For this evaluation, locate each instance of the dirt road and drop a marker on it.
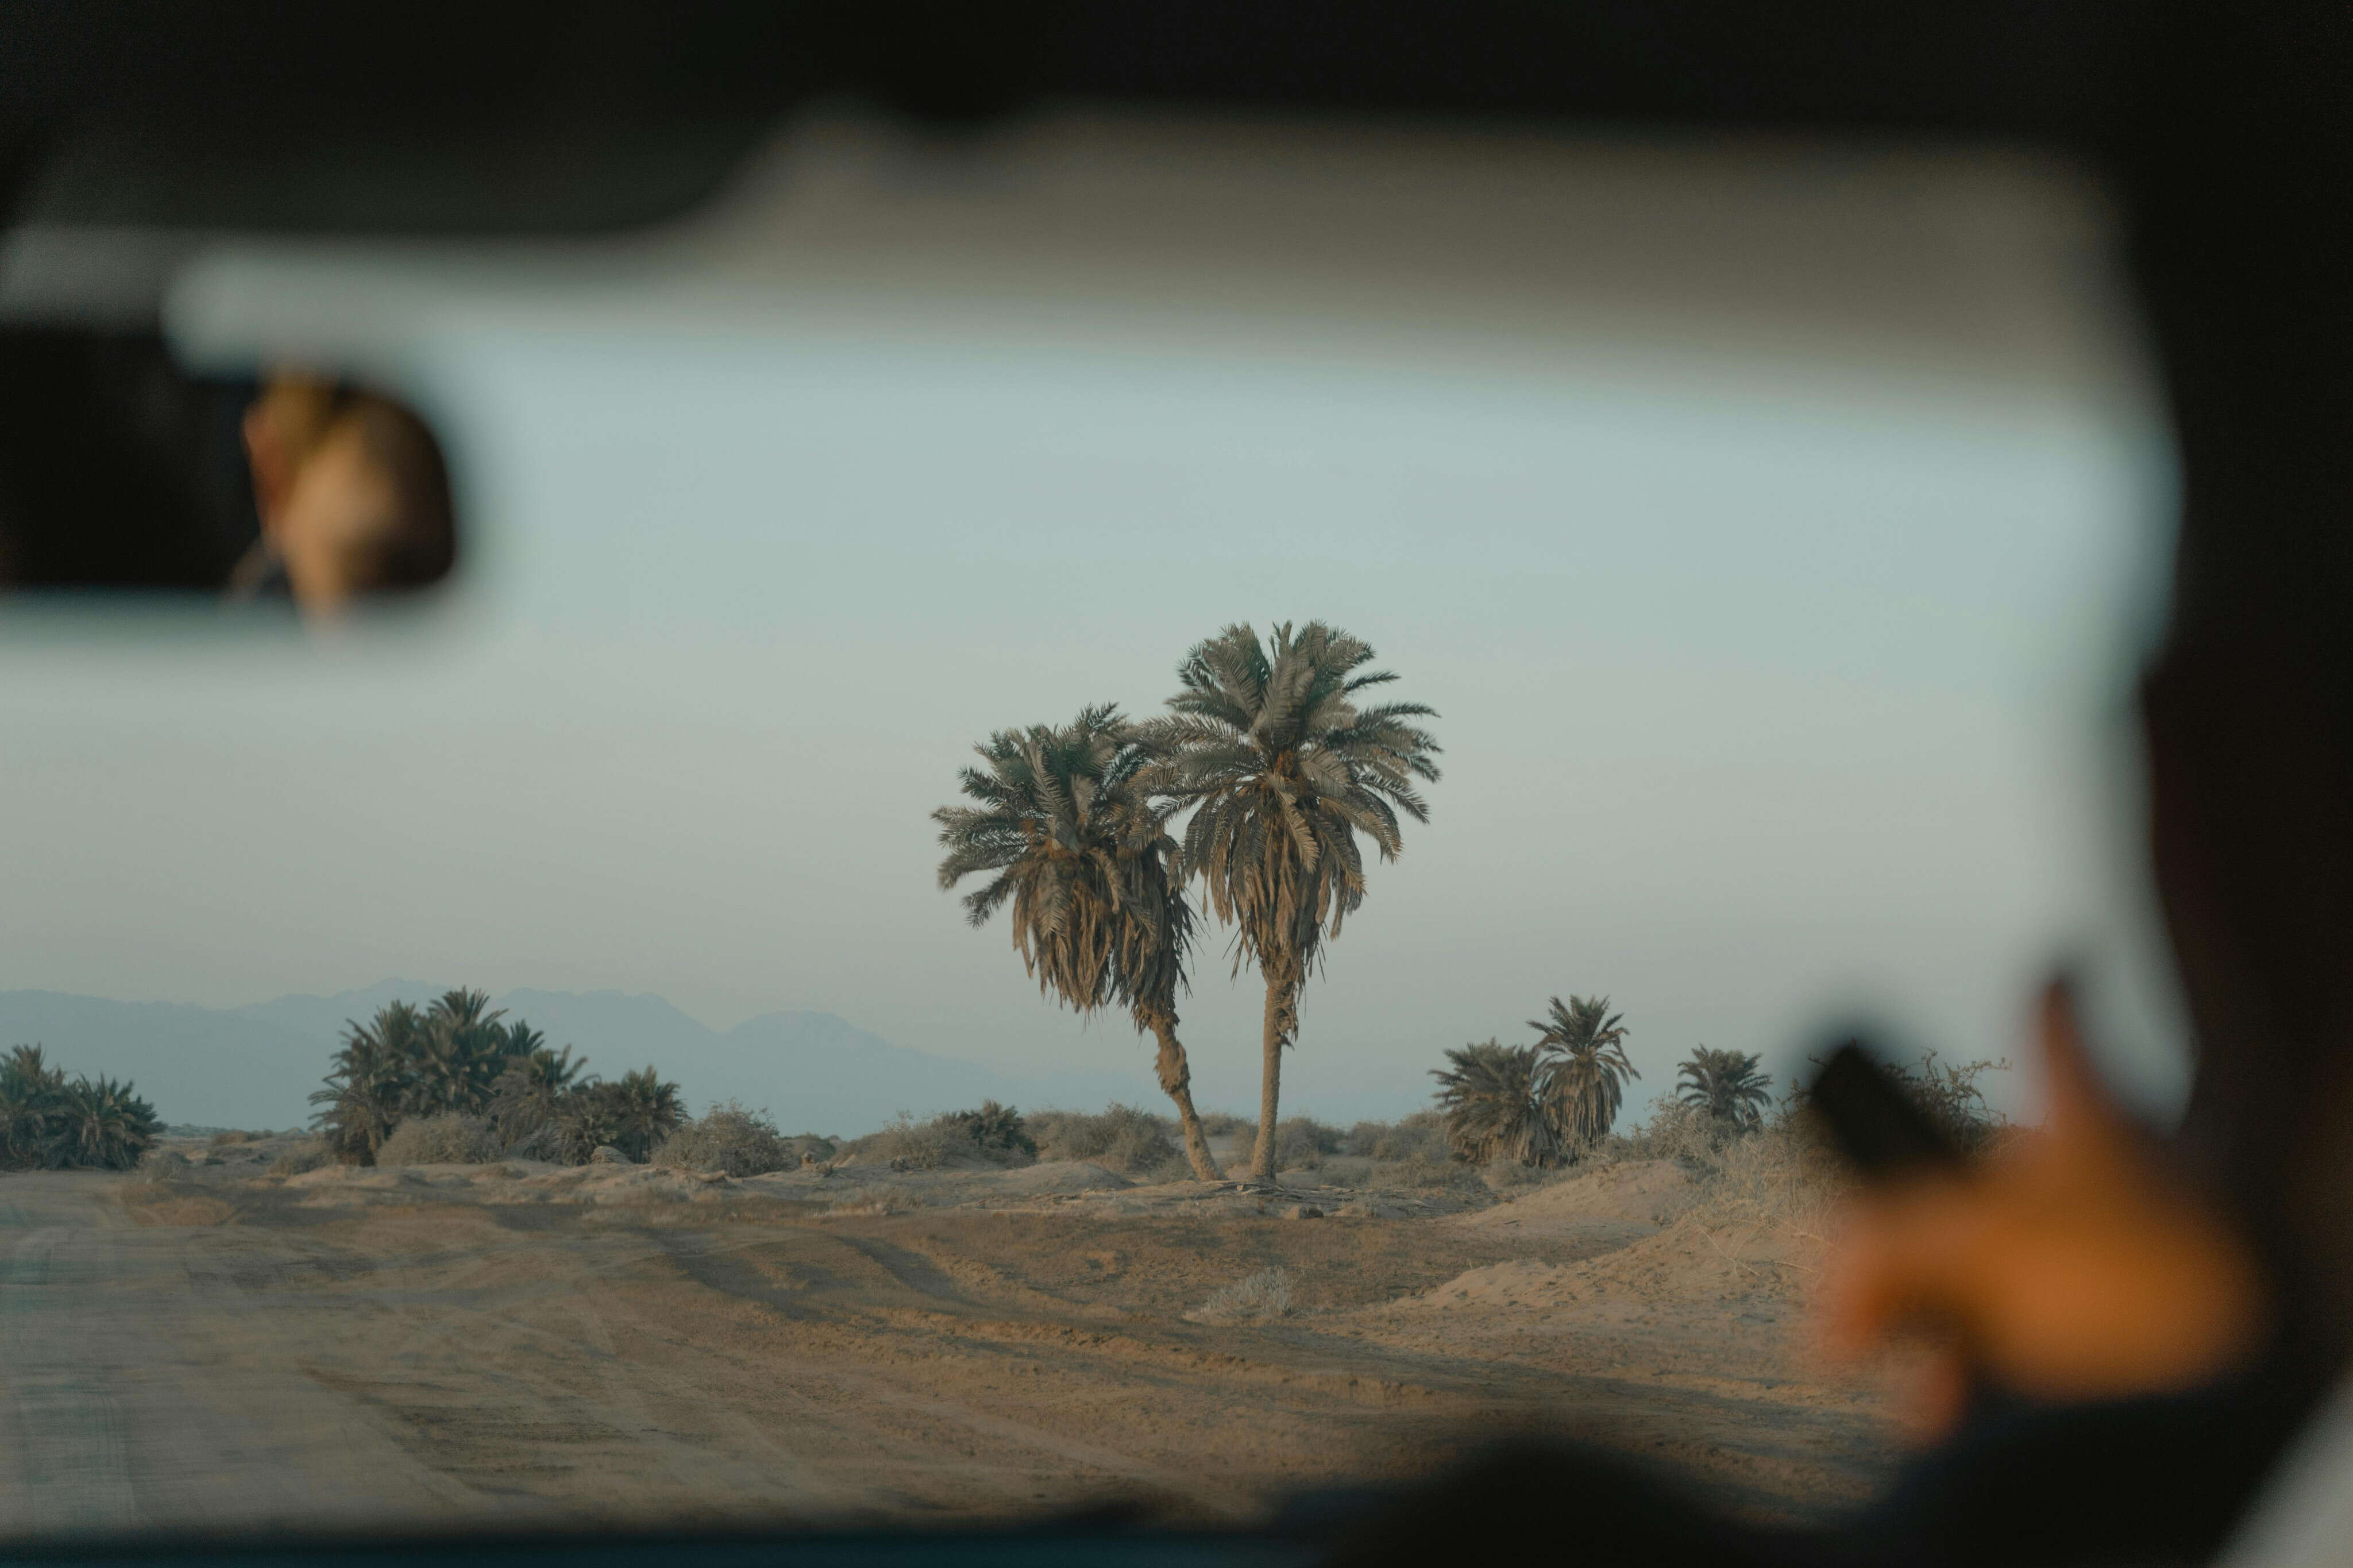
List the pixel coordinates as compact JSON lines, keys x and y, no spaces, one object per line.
{"x":258,"y":1355}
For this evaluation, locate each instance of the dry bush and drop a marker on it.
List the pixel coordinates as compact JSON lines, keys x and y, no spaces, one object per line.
{"x":1948,"y":1092}
{"x":907,"y":1144}
{"x":1265,"y":1294}
{"x":999,"y":1131}
{"x":1674,"y":1131}
{"x":1427,"y":1175}
{"x":1419,"y":1137}
{"x":224,"y":1140}
{"x":451,"y":1138}
{"x":1121,"y":1138}
{"x":992,"y":1135}
{"x":1219,"y":1123}
{"x":729,"y":1140}
{"x":1782,"y":1178}
{"x":1512,"y":1177}
{"x":308,"y":1155}
{"x":1301,"y":1141}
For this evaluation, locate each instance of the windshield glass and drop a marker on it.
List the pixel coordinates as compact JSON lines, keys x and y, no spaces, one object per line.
{"x":868,"y":963}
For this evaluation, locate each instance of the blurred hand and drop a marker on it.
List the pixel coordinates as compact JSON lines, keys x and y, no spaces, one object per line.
{"x":2068,"y":1267}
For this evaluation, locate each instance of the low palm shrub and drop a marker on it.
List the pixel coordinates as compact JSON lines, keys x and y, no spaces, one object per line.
{"x":1498,"y":1106}
{"x":49,"y":1123}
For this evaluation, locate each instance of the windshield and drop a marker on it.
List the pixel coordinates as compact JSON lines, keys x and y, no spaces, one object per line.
{"x":883,"y":956}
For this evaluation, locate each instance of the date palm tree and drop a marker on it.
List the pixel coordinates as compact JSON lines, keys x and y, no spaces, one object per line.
{"x":372,"y":1084}
{"x":1730,"y":1086}
{"x":632,"y":1113}
{"x":529,"y":1095}
{"x":459,"y":1055}
{"x":1583,"y":1043}
{"x":102,"y":1125}
{"x":32,"y":1099}
{"x":1493,"y":1096}
{"x":1084,"y":858}
{"x":1265,"y":745}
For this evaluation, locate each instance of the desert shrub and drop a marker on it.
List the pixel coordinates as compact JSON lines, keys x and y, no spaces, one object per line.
{"x":1951,"y":1095}
{"x":1265,"y":1294}
{"x":730,"y":1139}
{"x":451,"y":1138}
{"x":1121,"y":1138}
{"x":1421,"y":1136}
{"x":907,"y":1144}
{"x":307,"y":1156}
{"x":231,"y":1137}
{"x":1301,"y":1141}
{"x":1674,"y":1131}
{"x":1219,"y":1123}
{"x":1784,"y":1177}
{"x":997,"y":1131}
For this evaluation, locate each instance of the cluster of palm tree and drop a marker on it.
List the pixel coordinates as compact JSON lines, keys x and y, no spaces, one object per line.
{"x":47,"y":1123}
{"x":1269,"y":753}
{"x":460,"y":1055}
{"x":1542,"y":1103}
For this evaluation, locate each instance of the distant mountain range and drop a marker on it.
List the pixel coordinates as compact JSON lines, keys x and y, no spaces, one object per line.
{"x":256,"y":1065}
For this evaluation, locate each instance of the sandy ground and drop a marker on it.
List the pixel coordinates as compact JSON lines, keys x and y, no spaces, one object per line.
{"x":524,"y":1344}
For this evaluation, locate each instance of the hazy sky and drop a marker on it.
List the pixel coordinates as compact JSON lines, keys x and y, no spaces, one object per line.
{"x":1764,"y":696}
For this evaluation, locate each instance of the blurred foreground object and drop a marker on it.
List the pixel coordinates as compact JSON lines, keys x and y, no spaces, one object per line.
{"x":351,"y":493}
{"x":2068,"y":1267}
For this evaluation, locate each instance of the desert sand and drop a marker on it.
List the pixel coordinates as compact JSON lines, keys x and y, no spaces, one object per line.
{"x":227,"y":1346}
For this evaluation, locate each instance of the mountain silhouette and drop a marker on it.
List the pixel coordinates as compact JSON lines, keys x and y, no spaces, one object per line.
{"x":255,"y":1066}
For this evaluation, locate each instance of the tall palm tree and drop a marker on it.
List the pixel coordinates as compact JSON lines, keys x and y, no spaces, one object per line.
{"x":1583,"y":1044}
{"x":1282,"y":770}
{"x":372,"y":1084}
{"x":1730,"y":1086}
{"x":1493,"y":1096}
{"x":1084,"y":858}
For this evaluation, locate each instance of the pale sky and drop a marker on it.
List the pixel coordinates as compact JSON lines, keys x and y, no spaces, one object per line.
{"x":1768,"y":691}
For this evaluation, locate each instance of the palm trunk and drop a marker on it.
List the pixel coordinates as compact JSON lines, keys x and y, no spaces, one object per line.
{"x":1282,"y":1020}
{"x":1177,"y":1082}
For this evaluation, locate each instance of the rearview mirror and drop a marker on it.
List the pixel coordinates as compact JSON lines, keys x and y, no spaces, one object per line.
{"x":120,"y":469}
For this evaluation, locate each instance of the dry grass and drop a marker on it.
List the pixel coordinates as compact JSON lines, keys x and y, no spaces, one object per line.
{"x":1265,"y":1294}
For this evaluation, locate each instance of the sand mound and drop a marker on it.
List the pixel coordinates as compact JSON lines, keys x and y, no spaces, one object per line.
{"x":1647,"y":1194}
{"x":1688,"y":1262}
